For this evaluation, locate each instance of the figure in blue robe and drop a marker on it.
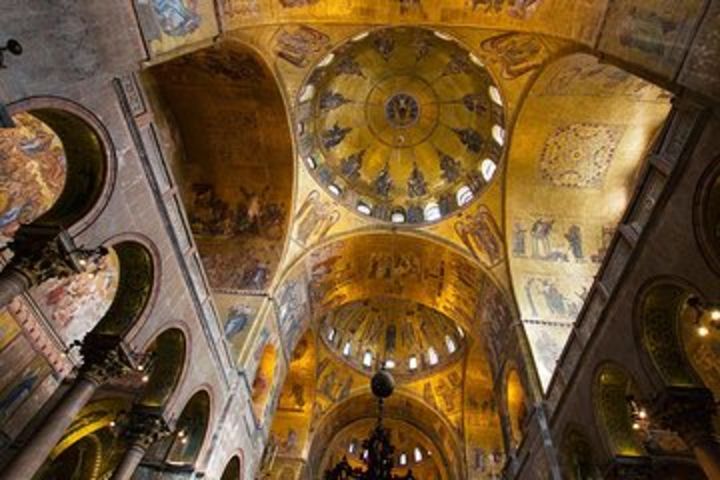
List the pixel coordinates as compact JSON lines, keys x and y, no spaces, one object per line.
{"x":175,"y":17}
{"x":238,"y":318}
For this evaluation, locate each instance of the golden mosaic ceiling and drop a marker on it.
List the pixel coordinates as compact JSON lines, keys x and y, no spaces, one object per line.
{"x":409,"y":339}
{"x":401,"y":124}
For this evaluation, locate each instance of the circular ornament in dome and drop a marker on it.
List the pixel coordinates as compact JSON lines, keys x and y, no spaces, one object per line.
{"x":401,"y":124}
{"x":407,"y":339}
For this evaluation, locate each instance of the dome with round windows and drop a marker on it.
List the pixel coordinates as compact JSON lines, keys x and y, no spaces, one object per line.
{"x":407,"y":338}
{"x":402,"y":124}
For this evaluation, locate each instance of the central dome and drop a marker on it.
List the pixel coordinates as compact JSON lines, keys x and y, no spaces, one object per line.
{"x":409,"y":339}
{"x":401,"y":124}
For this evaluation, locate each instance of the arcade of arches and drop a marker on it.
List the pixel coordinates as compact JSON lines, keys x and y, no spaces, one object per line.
{"x":218,"y":218}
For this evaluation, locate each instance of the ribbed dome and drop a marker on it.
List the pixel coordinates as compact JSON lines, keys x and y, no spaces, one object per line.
{"x":410,"y":339}
{"x":402,"y":124}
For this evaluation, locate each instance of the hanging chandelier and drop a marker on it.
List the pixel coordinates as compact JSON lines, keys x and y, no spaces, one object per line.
{"x":379,"y":459}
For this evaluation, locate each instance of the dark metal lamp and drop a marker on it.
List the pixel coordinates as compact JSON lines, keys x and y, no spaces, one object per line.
{"x":379,"y":459}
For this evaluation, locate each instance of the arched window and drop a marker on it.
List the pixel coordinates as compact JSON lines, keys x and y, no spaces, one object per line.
{"x":610,"y":393}
{"x":233,"y":469}
{"x":187,"y":441}
{"x":165,"y":362}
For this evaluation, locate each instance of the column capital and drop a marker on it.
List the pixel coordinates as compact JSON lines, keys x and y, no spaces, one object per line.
{"x":145,"y":427}
{"x":688,"y":411}
{"x":41,"y":257}
{"x":104,"y":359}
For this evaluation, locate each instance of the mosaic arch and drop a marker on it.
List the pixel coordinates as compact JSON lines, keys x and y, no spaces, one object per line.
{"x":615,"y":397}
{"x":74,"y":305}
{"x":231,"y":154}
{"x":430,"y":432}
{"x":52,"y":170}
{"x":361,"y":275}
{"x":135,"y":288}
{"x":586,"y":130}
{"x":394,"y":266}
{"x":414,"y":451}
{"x":402,"y":125}
{"x":573,"y":20}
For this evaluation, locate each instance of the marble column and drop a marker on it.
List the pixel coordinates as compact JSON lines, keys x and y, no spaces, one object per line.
{"x":99,"y":367}
{"x":35,"y":262}
{"x":689,"y":412}
{"x":143,"y":430}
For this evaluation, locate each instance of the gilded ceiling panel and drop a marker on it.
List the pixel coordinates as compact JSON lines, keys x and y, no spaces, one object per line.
{"x":443,"y":392}
{"x":399,"y":266}
{"x":586,"y":128}
{"x":512,"y":58}
{"x":577,"y":20}
{"x":335,"y":383}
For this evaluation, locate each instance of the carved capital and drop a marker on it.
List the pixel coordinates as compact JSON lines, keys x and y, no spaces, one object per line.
{"x":104,"y":360}
{"x":688,"y":412}
{"x":145,"y":428}
{"x":41,"y":258}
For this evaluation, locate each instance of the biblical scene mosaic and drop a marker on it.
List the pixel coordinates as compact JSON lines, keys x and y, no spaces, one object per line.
{"x":582,"y":164}
{"x":32,"y":173}
{"x":76,"y":304}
